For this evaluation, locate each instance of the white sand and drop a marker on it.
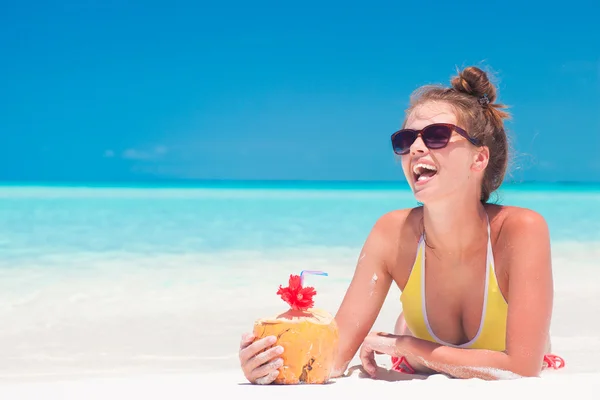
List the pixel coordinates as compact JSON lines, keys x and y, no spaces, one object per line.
{"x":553,"y":385}
{"x":123,"y":333}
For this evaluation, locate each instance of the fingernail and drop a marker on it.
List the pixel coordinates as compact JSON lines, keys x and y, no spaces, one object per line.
{"x":279,"y":349}
{"x":279,"y":362}
{"x":272,"y":339}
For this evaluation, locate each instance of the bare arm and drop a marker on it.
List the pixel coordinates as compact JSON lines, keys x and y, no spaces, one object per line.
{"x":366,"y":294}
{"x":529,"y":314}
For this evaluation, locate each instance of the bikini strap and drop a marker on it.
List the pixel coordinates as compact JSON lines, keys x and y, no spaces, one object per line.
{"x":489,"y":232}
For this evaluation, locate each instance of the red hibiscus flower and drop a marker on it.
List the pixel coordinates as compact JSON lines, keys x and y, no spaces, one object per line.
{"x":295,"y":295}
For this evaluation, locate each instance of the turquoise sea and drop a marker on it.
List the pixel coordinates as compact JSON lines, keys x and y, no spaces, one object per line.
{"x":37,"y":220}
{"x":97,"y":278}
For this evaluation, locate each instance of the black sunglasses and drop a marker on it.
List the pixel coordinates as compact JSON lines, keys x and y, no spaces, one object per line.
{"x":435,"y":136}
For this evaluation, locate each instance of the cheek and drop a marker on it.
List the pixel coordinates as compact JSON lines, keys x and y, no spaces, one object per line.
{"x":458,"y":161}
{"x":458,"y":167}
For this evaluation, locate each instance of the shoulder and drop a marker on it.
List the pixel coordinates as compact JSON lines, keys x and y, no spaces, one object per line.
{"x":395,"y":235}
{"x":523,"y":238}
{"x":517,"y":222}
{"x":403,"y":222}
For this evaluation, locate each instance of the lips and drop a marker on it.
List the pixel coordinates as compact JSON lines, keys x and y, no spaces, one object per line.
{"x":423,"y":172}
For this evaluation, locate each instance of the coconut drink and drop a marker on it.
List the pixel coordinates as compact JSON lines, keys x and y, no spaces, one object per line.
{"x":309,"y":336}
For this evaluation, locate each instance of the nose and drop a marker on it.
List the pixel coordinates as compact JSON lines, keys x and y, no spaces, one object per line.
{"x":418,"y":146}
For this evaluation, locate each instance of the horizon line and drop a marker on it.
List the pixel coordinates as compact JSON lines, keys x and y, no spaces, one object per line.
{"x":254,"y":182}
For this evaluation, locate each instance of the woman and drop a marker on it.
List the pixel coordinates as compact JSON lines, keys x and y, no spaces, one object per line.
{"x":476,"y":278}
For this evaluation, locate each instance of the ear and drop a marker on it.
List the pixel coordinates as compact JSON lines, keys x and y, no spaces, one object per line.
{"x":481,"y":158}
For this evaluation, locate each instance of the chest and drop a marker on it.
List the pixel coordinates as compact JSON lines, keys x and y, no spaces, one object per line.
{"x":453,"y":293}
{"x":453,"y":296}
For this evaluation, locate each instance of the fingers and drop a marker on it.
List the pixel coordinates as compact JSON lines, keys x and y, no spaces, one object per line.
{"x":367,"y":359}
{"x":251,"y":349}
{"x":264,"y":357}
{"x":247,"y":339}
{"x":267,"y":379}
{"x":266,"y":373}
{"x":260,"y":362}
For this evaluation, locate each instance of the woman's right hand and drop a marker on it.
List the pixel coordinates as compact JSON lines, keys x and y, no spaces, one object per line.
{"x":259,"y":362}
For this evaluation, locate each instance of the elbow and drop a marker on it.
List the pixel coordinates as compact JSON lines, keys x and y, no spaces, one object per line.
{"x":511,"y":369}
{"x":528,"y":372}
{"x":493,"y":374}
{"x":521,"y":370}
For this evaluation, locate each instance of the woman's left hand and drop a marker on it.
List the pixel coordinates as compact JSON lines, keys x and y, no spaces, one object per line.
{"x":377,"y":343}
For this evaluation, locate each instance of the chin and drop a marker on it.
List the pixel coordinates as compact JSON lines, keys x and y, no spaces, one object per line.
{"x":425,"y":192}
{"x":422,"y":198}
{"x":431,"y":194}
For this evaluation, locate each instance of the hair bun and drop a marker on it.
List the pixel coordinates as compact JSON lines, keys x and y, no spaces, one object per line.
{"x":475,"y":82}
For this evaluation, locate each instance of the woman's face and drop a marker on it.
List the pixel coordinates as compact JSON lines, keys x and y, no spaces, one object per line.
{"x":437,"y":174}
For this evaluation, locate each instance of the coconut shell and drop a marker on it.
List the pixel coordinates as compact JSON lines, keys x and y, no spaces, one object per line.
{"x":310,"y":342}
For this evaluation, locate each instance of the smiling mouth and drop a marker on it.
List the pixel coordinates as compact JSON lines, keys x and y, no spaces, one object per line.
{"x":423,"y":172}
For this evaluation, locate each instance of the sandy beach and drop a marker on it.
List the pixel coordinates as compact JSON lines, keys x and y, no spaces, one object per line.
{"x":206,"y":365}
{"x":552,"y":385}
{"x":124,"y":302}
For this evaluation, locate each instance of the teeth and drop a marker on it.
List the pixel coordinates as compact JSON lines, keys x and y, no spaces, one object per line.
{"x":420,"y":166}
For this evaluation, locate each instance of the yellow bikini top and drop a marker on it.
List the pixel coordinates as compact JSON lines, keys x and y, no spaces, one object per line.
{"x":492,"y":328}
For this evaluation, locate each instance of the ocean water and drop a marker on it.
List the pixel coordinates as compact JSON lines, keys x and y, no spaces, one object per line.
{"x":97,"y":279}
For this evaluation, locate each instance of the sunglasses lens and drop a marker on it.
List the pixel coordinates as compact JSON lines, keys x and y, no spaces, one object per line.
{"x":437,"y":136}
{"x":402,"y":141}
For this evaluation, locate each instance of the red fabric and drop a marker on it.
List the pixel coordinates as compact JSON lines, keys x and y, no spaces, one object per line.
{"x":401,"y":365}
{"x":554,"y":361}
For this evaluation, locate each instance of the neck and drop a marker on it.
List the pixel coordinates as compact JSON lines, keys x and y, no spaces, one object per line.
{"x":455,"y":227}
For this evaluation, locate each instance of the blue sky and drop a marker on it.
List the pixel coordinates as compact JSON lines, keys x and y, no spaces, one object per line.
{"x":139,"y":90}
